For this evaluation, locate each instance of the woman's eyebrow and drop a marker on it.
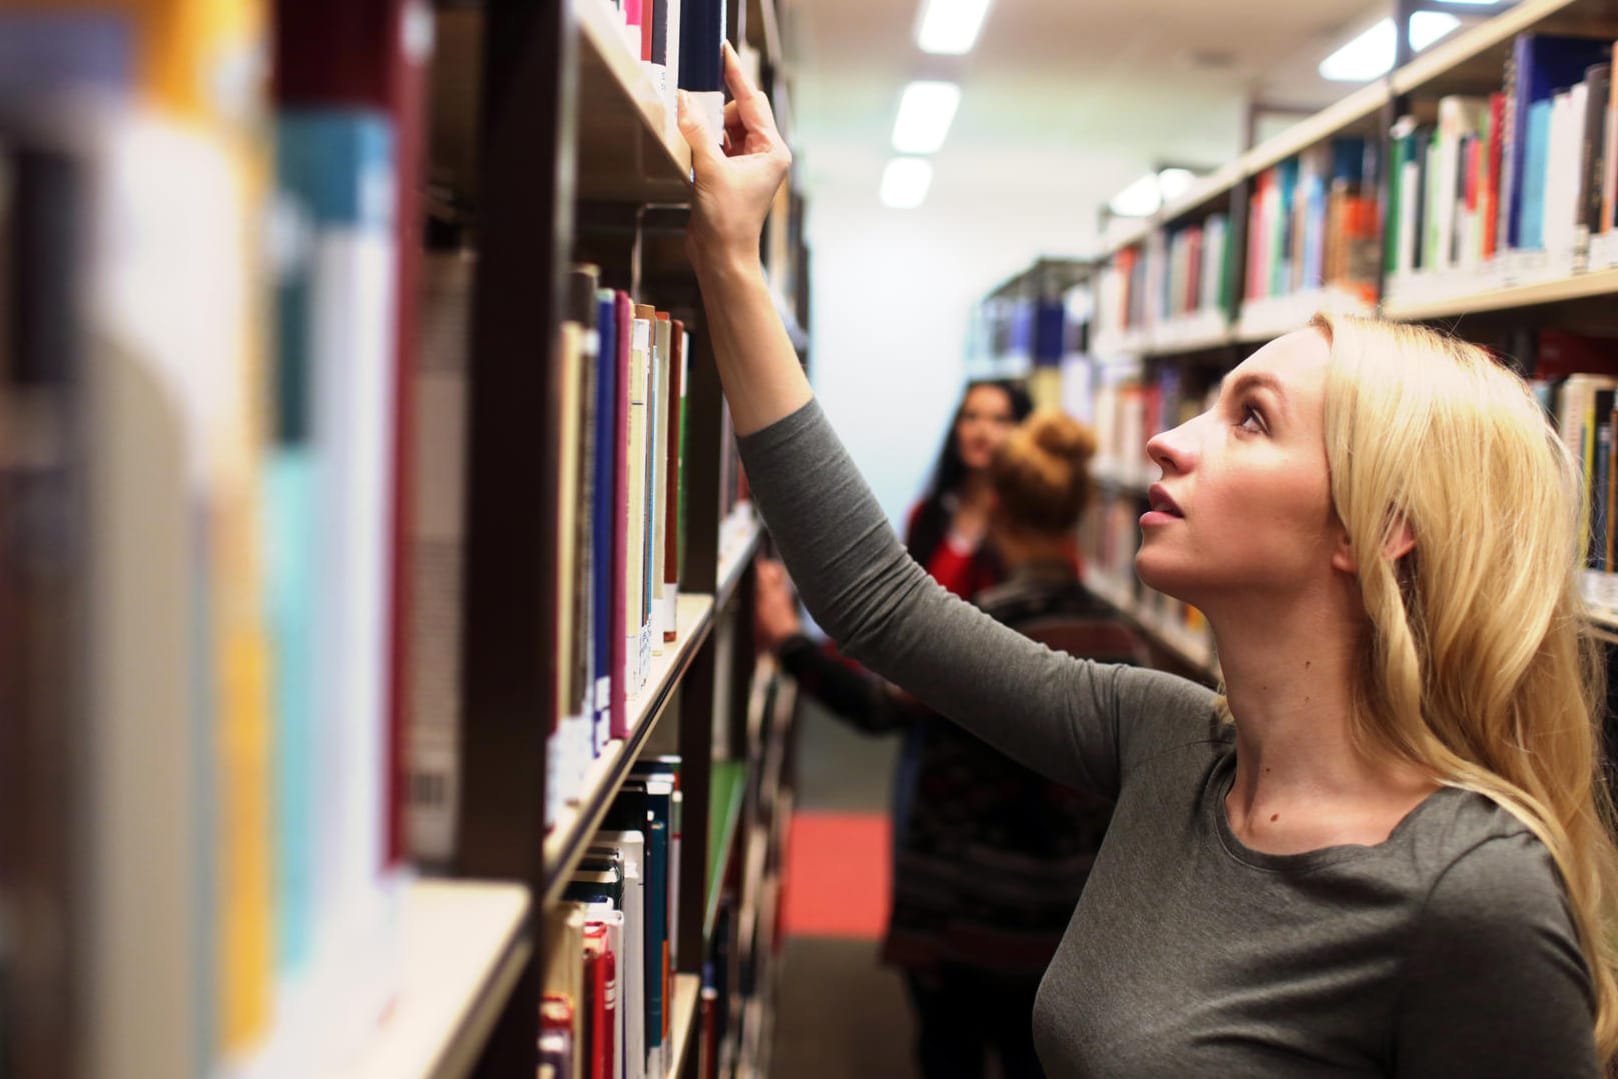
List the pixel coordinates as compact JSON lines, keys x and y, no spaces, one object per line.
{"x":1260,"y":381}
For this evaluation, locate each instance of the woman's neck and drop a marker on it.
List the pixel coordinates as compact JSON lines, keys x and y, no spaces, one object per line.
{"x":1301,"y":781}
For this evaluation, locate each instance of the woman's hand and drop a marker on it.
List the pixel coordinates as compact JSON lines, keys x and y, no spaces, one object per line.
{"x":775,"y":608}
{"x":735,"y":187}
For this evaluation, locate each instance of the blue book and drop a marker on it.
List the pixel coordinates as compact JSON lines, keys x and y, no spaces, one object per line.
{"x":607,"y":446}
{"x":1543,"y":64}
{"x":1535,"y":163}
{"x":329,"y":520}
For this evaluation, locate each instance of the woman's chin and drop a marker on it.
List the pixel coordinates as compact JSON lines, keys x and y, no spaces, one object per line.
{"x":1158,"y":577}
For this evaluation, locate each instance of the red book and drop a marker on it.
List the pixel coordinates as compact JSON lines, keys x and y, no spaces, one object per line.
{"x":601,"y":992}
{"x":1193,"y":270}
{"x":619,"y":722}
{"x":1491,"y":191}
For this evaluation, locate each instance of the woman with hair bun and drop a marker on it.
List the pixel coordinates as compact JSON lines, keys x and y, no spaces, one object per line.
{"x":1384,"y":850}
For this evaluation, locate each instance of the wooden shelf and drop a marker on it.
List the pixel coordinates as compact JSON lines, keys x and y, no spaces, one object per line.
{"x":1577,"y":287}
{"x":577,"y":825}
{"x":728,"y":793}
{"x":738,"y":542}
{"x":463,"y":951}
{"x":683,"y":1025}
{"x":630,"y":149}
{"x":1190,"y":333}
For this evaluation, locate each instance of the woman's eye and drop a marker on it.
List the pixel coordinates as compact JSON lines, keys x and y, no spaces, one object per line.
{"x":1251,"y":420}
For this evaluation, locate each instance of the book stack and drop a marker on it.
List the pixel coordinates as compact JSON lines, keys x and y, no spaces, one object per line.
{"x":1199,"y":281}
{"x":611,"y":942}
{"x":619,"y":525}
{"x":1311,"y":237}
{"x":1510,"y":188}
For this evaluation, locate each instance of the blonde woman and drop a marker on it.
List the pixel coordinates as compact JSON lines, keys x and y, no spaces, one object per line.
{"x":1383,"y":850}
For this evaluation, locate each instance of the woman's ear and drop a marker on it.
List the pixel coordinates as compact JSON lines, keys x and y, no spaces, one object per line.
{"x":1401,"y":540}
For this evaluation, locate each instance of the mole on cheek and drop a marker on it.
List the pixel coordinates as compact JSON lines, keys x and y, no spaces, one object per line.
{"x":1274,"y":817}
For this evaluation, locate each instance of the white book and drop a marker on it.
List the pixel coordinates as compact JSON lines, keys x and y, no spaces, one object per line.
{"x":632,"y":968}
{"x":1409,"y":191}
{"x":662,"y":345}
{"x":635,"y":507}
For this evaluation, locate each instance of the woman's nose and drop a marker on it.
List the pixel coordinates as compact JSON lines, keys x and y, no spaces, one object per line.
{"x":1171,"y":450}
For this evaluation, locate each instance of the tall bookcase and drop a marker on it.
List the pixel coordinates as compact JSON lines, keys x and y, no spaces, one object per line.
{"x":578,"y":161}
{"x":545,"y":144}
{"x":1154,"y":329}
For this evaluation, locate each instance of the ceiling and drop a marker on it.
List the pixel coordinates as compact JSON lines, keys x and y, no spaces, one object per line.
{"x":1064,"y":100}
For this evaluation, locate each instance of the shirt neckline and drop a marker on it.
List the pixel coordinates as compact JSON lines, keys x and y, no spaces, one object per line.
{"x":1223,"y":777}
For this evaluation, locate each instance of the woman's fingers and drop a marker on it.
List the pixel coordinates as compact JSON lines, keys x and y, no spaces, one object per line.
{"x":692,"y":124}
{"x":752,"y":106}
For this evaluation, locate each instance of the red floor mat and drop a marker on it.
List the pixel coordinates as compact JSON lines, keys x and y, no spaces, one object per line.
{"x":838,"y":879}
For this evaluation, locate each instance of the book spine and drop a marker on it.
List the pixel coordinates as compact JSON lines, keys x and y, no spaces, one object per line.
{"x":1609,"y":165}
{"x":639,"y":387}
{"x":662,"y":331}
{"x":621,"y":618}
{"x":673,"y":524}
{"x":565,"y":755}
{"x":606,"y":524}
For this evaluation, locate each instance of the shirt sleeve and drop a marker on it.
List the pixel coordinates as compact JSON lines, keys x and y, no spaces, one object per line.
{"x":1496,"y":984}
{"x":1060,"y":716}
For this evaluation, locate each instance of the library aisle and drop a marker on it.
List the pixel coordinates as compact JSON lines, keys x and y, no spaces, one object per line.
{"x":839,"y":1011}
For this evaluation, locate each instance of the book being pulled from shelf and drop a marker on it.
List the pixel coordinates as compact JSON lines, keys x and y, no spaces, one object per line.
{"x":1513,"y":188}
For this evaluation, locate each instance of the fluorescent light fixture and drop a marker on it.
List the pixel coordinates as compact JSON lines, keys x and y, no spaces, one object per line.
{"x":1371,"y":54}
{"x":1172,"y":183}
{"x":1139,"y":199}
{"x":950,"y":27}
{"x":926,"y":110}
{"x":905,"y":182}
{"x":1427,"y":27}
{"x":1146,"y":196}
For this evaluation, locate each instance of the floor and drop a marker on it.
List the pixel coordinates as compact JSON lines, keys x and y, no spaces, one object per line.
{"x":840,"y":1014}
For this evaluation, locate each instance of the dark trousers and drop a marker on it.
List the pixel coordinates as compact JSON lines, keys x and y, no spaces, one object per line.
{"x":961,"y":1017}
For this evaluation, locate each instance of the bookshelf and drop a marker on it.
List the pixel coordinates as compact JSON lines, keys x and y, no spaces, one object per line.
{"x":581,"y":162}
{"x":463,"y":950}
{"x":1507,"y":300}
{"x":363,"y":530}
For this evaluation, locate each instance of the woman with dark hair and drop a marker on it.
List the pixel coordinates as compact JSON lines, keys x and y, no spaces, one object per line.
{"x":947,"y":527}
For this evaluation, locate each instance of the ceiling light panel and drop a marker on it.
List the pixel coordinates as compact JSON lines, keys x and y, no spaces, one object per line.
{"x":926,"y":109}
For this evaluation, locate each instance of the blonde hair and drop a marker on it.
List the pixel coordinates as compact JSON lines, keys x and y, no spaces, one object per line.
{"x":1475,"y":666}
{"x":1041,"y":473}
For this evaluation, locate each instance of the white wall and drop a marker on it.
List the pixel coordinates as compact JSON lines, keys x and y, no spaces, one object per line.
{"x":892,"y":294}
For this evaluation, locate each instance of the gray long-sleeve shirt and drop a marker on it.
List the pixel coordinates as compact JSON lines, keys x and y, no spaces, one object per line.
{"x":1447,"y":950}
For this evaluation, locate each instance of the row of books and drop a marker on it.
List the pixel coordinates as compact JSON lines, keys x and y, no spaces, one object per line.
{"x":1312,"y":224}
{"x":1183,"y":273}
{"x":612,"y":942}
{"x":1576,"y":380}
{"x":222,"y":403}
{"x":1526,"y":169}
{"x":620,"y":531}
{"x":679,"y":42}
